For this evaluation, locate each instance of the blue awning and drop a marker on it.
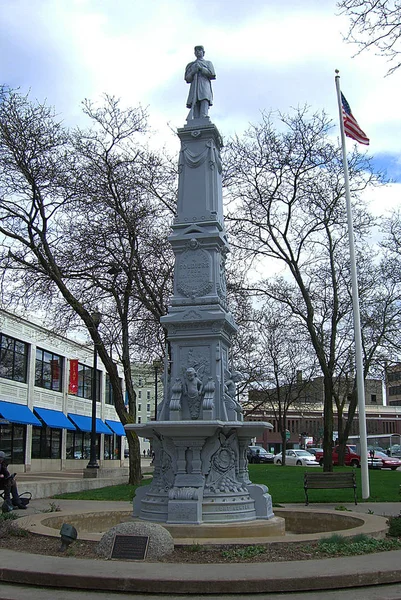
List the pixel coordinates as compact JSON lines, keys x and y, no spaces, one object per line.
{"x":18,"y":413}
{"x":54,"y":418}
{"x":85,"y":423}
{"x":116,"y":426}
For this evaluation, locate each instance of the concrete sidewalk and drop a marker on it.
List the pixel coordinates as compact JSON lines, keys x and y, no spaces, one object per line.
{"x":45,"y":485}
{"x":166,"y":578}
{"x":381,"y":509}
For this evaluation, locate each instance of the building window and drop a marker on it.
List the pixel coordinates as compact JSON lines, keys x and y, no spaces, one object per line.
{"x":139,"y":419}
{"x":139,"y":407}
{"x":112,"y":447}
{"x":148,"y":395}
{"x":109,"y":390}
{"x":393,"y":375}
{"x":79,"y":445}
{"x":109,"y":398}
{"x":12,"y":442}
{"x":46,"y":442}
{"x":48,"y":370}
{"x":140,"y":382}
{"x":139,"y":394}
{"x":148,"y":407}
{"x":373,"y":398}
{"x":85,"y":382}
{"x":13,"y":358}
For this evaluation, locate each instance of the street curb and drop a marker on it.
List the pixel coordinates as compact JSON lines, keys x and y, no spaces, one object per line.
{"x":189,"y":578}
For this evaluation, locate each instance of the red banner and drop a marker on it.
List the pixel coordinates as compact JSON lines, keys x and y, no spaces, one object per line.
{"x":55,"y":371}
{"x":73,"y":385}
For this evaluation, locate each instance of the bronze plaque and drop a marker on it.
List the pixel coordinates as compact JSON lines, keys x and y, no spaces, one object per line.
{"x":130,"y":547}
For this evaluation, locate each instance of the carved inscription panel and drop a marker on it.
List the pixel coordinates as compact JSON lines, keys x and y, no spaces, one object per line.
{"x":193,"y":271}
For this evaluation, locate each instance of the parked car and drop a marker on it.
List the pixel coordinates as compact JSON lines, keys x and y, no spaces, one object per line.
{"x":388,"y":462}
{"x":351,"y":458}
{"x":395,"y":450}
{"x":264,"y":455}
{"x":313,"y":450}
{"x":374,"y":461}
{"x":297,"y":457}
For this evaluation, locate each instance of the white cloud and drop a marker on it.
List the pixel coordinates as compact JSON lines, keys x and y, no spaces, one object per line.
{"x":272,"y":55}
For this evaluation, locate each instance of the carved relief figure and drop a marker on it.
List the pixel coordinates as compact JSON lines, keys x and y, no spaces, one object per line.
{"x":199,"y":74}
{"x":233,"y":407}
{"x":193,"y":390}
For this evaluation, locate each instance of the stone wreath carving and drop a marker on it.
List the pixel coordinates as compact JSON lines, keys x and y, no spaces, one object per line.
{"x":222,"y":477}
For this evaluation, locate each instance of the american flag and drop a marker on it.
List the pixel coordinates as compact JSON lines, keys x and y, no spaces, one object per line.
{"x":351,"y":127}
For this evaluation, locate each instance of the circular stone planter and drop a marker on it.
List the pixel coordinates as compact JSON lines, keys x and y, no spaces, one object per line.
{"x":300,"y":525}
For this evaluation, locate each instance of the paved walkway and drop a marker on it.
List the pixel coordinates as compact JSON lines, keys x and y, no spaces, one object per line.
{"x":165,"y":578}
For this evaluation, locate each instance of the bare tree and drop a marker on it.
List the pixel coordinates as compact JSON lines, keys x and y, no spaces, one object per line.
{"x":375,"y":24}
{"x":84,"y":221}
{"x":284,"y":363}
{"x":285,"y":194}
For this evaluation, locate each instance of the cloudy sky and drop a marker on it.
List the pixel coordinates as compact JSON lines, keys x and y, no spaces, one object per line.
{"x":268,"y":55}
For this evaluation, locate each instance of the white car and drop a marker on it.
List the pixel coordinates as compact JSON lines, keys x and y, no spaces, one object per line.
{"x":300,"y":458}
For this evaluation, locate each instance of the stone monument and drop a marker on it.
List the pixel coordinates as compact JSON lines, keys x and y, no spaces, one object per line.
{"x":200,"y":439}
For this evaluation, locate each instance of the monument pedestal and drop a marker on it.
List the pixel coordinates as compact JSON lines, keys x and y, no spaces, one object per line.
{"x":200,"y":474}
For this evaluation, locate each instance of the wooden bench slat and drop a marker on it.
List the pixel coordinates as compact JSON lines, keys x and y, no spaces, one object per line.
{"x":326,"y":481}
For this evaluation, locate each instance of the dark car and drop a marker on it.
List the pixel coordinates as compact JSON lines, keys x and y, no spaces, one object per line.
{"x":257,"y":454}
{"x":388,"y":462}
{"x":313,"y":450}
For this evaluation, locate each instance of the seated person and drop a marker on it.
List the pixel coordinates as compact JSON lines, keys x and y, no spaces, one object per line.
{"x":9,"y":485}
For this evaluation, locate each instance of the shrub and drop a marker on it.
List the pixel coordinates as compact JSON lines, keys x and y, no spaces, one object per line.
{"x":394,"y":524}
{"x":8,"y":528}
{"x":246,"y":552}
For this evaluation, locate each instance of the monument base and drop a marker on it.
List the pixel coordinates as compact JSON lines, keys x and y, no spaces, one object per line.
{"x":201,"y":474}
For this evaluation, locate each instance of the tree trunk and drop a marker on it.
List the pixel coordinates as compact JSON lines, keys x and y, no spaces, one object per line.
{"x":328,"y":425}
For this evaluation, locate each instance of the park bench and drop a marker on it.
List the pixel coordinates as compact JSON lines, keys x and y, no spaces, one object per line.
{"x":329,"y":481}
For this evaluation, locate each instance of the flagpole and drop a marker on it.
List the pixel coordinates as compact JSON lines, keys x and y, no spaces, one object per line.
{"x":357,"y":319}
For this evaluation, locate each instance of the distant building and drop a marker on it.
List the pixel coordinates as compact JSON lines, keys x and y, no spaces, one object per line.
{"x":393,"y":384}
{"x":305,"y":416}
{"x":148,"y":380}
{"x":46,"y":400}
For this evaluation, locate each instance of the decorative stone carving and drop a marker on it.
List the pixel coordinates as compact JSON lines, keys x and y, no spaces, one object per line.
{"x":194,"y":160}
{"x":209,"y":394}
{"x":176,"y":392}
{"x":193,"y":391}
{"x":222,"y":474}
{"x":184,"y":493}
{"x":233,"y":407}
{"x":193,"y":270}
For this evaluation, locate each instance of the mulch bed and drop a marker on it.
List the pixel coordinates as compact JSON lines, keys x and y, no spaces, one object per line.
{"x":50,"y":546}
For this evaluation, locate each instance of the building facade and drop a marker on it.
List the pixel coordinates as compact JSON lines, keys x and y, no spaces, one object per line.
{"x":46,"y":401}
{"x":148,"y":386}
{"x":393,"y":384}
{"x":305,"y":416}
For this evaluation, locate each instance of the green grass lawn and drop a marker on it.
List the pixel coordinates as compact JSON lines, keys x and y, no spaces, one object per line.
{"x":285,"y":485}
{"x":119,"y":492}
